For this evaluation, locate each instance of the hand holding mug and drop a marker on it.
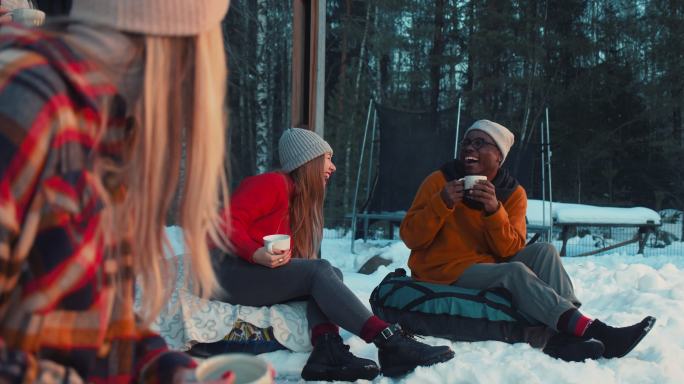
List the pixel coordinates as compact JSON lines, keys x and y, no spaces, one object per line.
{"x":452,"y":192}
{"x":272,"y":260}
{"x":484,"y":192}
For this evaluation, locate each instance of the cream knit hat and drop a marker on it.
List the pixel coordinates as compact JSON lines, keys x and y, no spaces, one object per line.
{"x":153,"y":17}
{"x":298,"y":146}
{"x":501,"y":135}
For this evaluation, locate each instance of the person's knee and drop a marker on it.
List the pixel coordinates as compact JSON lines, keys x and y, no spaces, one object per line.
{"x":546,"y":249}
{"x":338,"y":272}
{"x":323,"y":269}
{"x":517,"y":270}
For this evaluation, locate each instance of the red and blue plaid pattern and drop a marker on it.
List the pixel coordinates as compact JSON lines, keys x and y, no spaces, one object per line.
{"x":66,"y":302}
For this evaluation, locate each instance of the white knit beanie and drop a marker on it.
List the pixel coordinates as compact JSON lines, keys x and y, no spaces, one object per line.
{"x":152,"y":17}
{"x":298,"y":146}
{"x":501,"y":135}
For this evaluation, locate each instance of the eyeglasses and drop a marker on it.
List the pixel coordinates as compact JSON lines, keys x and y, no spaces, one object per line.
{"x":476,"y":143}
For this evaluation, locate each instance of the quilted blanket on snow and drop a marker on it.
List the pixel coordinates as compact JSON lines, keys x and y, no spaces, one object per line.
{"x":188,"y":319}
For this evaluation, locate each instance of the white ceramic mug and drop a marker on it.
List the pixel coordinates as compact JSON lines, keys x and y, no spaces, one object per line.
{"x":247,"y":369}
{"x":28,"y":16}
{"x":470,"y":180}
{"x":277,"y":242}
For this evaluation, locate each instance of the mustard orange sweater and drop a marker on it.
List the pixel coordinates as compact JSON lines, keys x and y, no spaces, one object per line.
{"x":444,"y":242}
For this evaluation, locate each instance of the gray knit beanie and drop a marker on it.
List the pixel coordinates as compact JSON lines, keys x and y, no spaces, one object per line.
{"x":153,"y":17}
{"x":298,"y":146}
{"x":501,"y":135}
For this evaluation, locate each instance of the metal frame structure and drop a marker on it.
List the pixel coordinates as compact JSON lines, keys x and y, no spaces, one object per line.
{"x":545,"y":229}
{"x":365,"y":214}
{"x":546,"y":175}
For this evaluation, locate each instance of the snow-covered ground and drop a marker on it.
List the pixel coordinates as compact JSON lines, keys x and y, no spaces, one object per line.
{"x":618,"y":288}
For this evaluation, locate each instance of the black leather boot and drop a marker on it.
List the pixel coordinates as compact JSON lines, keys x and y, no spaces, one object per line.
{"x":331,"y":360}
{"x":619,"y":341}
{"x":400,"y":353}
{"x":572,"y":348}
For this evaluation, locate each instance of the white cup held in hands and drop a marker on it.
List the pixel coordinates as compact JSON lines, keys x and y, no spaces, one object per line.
{"x":277,"y":242}
{"x":470,"y":180}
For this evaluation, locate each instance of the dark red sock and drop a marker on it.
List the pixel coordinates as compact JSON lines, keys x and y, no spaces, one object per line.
{"x":373,"y":326}
{"x":322,"y":328}
{"x":574,"y":322}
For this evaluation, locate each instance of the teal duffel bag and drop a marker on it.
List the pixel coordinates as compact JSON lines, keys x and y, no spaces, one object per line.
{"x":451,"y":312}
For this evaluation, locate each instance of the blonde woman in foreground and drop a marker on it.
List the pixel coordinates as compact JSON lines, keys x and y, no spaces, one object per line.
{"x":92,"y":115}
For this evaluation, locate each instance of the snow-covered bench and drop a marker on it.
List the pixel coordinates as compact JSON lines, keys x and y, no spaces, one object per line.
{"x":570,"y":216}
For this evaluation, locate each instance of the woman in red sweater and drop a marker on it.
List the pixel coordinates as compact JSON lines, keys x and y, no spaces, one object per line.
{"x":290,"y":201}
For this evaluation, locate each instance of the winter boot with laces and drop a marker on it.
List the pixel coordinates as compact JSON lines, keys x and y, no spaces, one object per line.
{"x":331,"y":360}
{"x":400,"y":353}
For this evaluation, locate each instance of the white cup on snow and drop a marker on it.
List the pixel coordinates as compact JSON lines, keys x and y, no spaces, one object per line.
{"x":277,"y":242}
{"x":247,"y":369}
{"x":470,"y":180}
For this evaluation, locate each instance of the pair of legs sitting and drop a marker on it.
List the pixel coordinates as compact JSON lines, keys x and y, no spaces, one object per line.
{"x":539,"y":285}
{"x":330,"y":304}
{"x":541,"y":288}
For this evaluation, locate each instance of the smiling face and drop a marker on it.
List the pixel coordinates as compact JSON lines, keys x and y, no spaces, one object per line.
{"x":485,"y":160}
{"x":328,"y":167}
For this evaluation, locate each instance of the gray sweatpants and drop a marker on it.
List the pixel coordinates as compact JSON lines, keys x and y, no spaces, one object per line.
{"x":315,"y":281}
{"x":536,"y":279}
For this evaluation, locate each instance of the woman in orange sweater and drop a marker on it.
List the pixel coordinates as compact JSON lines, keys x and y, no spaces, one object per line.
{"x":475,"y":238}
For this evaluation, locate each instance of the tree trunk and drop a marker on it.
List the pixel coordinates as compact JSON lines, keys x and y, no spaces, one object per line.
{"x":471,"y":58}
{"x":362,"y":54}
{"x":379,"y":90}
{"x":263,"y":137}
{"x":352,"y":131}
{"x":436,"y":54}
{"x":343,"y":56}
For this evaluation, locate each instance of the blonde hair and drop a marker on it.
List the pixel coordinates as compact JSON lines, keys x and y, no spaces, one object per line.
{"x":181,"y":101}
{"x":306,"y":208}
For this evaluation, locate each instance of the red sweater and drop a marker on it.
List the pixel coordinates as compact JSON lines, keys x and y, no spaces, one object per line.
{"x":260,"y":206}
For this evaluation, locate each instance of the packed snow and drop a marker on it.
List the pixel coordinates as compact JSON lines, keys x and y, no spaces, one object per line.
{"x":619,"y":288}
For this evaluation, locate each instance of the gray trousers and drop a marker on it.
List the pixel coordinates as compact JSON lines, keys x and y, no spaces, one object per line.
{"x":535,"y":277}
{"x":315,"y":281}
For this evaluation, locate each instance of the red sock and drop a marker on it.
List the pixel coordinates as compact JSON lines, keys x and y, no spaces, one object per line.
{"x":573,"y":322}
{"x":320,"y":329}
{"x":373,"y":326}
